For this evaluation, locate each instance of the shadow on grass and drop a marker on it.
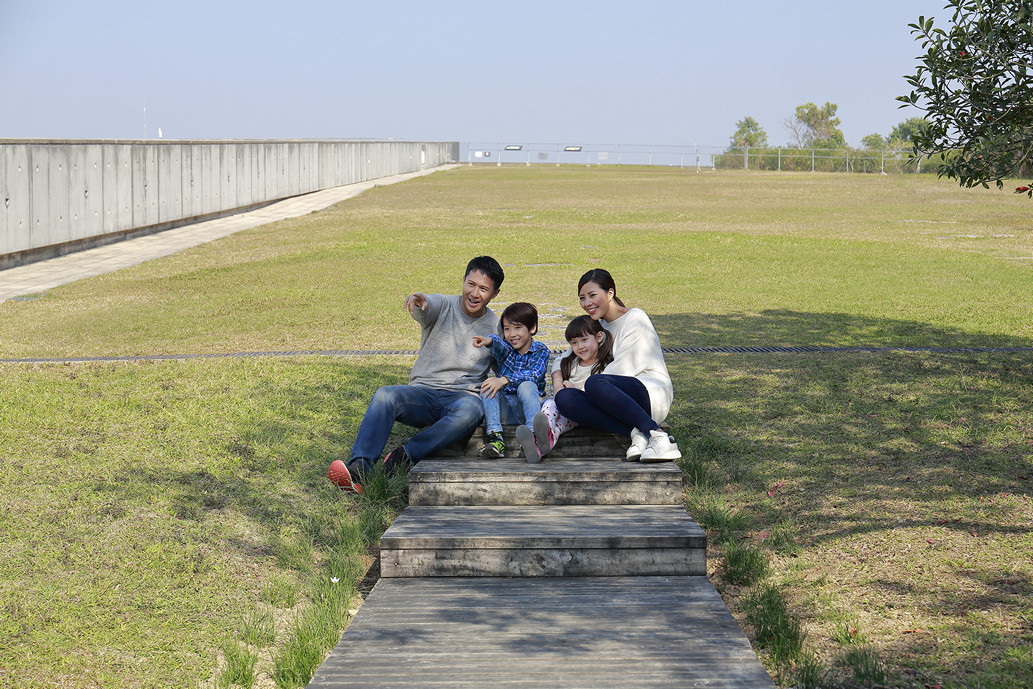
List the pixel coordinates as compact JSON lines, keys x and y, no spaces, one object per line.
{"x":909,"y":472}
{"x":271,"y":468}
{"x":925,"y":420}
{"x":779,"y":327}
{"x":866,"y":445}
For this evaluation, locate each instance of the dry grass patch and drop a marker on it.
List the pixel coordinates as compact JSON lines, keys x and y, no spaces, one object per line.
{"x":905,"y":482}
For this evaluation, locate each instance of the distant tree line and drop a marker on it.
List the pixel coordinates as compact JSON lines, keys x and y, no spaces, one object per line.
{"x":817,"y":143}
{"x":974,"y":82}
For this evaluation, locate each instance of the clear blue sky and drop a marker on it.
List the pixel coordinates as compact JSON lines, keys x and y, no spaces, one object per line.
{"x":599,"y":71}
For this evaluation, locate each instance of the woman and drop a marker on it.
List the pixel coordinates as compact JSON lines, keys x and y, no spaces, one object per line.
{"x":634,"y":395}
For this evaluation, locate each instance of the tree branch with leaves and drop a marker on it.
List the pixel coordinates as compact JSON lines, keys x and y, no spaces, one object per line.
{"x":974,"y":84}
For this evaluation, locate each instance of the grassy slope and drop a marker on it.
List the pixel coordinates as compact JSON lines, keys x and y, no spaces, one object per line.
{"x":147,"y":508}
{"x":904,"y":481}
{"x":857,"y":258}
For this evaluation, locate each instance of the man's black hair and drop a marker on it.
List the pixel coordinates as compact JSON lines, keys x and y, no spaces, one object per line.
{"x":490,"y":267}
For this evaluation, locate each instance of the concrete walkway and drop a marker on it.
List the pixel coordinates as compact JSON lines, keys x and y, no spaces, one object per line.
{"x":44,"y":275}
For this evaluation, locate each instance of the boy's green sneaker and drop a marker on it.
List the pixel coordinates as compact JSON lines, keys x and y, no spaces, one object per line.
{"x":494,"y":446}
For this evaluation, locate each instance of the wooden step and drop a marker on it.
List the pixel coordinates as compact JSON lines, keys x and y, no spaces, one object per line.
{"x":580,"y":481}
{"x":578,"y":633}
{"x":578,"y":442}
{"x":542,"y":541}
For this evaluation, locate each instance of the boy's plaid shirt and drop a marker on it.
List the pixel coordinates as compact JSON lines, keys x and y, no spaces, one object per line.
{"x":530,"y":365}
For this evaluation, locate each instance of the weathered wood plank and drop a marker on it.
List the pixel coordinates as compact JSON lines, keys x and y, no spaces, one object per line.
{"x":635,"y":632}
{"x":564,"y":469}
{"x":543,"y":541}
{"x":443,"y":629}
{"x":543,"y":562}
{"x":578,"y":442}
{"x":550,"y":526}
{"x":546,"y":493}
{"x":602,"y":525}
{"x":561,"y":482}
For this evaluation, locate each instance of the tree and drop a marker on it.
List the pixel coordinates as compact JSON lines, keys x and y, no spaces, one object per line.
{"x":748,"y":132}
{"x":874,"y":142}
{"x":974,"y":84}
{"x":906,"y":131}
{"x":814,"y":127}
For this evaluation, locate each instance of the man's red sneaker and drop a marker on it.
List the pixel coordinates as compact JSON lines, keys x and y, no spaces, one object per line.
{"x":342,"y":478}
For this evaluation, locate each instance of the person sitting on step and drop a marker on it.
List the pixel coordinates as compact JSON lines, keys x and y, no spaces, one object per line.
{"x":441,"y":396}
{"x":515,"y":395}
{"x":634,"y":395}
{"x":591,"y":348}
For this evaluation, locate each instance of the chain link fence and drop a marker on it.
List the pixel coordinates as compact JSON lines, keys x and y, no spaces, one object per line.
{"x":694,"y":157}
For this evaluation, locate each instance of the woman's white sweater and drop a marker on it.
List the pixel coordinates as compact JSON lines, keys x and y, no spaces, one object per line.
{"x":637,"y":353}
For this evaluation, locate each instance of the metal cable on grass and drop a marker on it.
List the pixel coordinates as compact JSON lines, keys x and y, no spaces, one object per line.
{"x":803,"y":349}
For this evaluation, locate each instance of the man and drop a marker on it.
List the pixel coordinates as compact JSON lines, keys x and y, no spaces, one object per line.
{"x":442,"y":396}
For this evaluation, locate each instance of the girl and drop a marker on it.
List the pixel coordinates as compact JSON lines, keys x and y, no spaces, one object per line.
{"x":591,"y":349}
{"x":634,"y":395}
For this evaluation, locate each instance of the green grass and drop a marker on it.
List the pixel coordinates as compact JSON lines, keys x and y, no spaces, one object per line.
{"x":903,"y":485}
{"x":811,"y":673}
{"x":774,"y":626}
{"x":153,"y":516}
{"x":783,"y":539}
{"x":745,"y":564}
{"x":279,"y":591}
{"x":240,"y":667}
{"x":314,"y":632}
{"x":148,"y":509}
{"x":846,"y":632}
{"x":866,"y":665}
{"x":717,"y":258}
{"x":258,"y":628}
{"x":712,"y":510}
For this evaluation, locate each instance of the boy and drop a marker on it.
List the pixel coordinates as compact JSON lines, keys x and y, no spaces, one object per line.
{"x":517,"y":391}
{"x":441,"y":396}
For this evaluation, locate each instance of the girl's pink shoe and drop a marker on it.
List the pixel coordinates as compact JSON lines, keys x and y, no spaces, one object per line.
{"x":543,"y":433}
{"x":525,"y":436}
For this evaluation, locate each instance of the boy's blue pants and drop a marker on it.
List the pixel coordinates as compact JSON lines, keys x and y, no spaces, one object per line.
{"x":516,"y":406}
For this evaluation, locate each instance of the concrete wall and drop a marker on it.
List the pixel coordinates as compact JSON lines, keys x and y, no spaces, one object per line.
{"x":62,"y":196}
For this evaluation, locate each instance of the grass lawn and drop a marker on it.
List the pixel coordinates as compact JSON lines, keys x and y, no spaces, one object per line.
{"x":170,"y":524}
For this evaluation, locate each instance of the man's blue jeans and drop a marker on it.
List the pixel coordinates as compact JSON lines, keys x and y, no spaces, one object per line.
{"x":444,"y":415}
{"x":511,"y":406}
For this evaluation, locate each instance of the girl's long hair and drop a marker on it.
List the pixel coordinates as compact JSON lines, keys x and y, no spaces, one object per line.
{"x":602,"y":278}
{"x":583,"y":326}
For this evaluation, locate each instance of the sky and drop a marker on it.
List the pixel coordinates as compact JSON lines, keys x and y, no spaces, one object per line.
{"x":674,"y":72}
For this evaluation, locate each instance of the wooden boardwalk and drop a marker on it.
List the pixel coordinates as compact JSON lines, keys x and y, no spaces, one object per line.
{"x":581,"y":571}
{"x":543,"y":632}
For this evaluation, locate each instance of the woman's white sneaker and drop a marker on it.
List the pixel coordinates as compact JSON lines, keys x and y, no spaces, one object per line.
{"x":661,"y":448}
{"x":639,"y":440}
